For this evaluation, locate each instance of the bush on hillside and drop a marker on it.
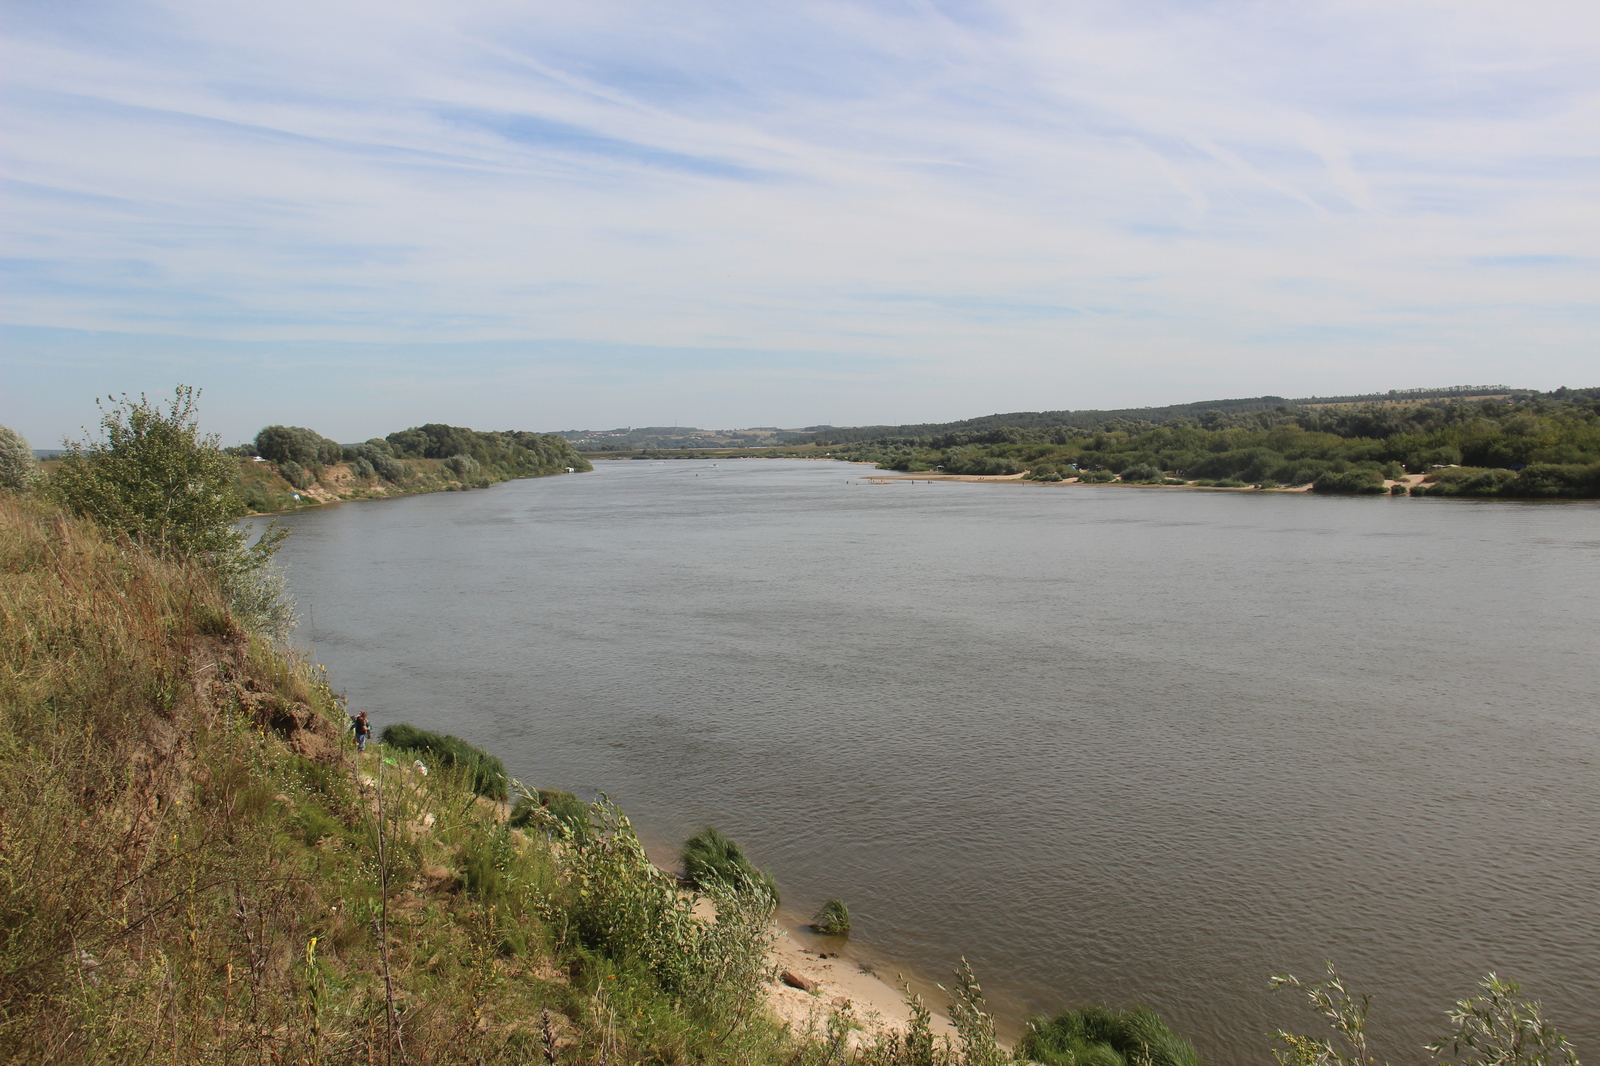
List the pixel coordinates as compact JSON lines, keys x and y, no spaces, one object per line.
{"x":709,"y":857}
{"x":555,"y":806}
{"x":379,"y":457}
{"x":156,"y":481}
{"x":488,"y":773}
{"x":1100,"y":1036}
{"x":296,"y":444}
{"x":19,"y":468}
{"x":295,"y":474}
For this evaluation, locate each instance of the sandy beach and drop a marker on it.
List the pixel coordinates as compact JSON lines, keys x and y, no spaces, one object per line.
{"x":813,"y":976}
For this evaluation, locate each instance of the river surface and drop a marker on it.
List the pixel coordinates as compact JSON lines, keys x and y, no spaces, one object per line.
{"x":1111,"y":744}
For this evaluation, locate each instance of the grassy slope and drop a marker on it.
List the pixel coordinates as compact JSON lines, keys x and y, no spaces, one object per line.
{"x":190,"y":857}
{"x":196,"y":867}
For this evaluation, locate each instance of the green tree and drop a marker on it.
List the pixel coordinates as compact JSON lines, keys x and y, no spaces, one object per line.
{"x":157,"y":481}
{"x":284,"y":444}
{"x":19,"y":469}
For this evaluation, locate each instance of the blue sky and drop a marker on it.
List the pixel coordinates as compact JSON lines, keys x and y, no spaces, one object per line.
{"x":362,"y":216}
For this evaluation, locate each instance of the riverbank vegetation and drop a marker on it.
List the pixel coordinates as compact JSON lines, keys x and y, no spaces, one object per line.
{"x":1099,"y":1036}
{"x":1534,"y":447}
{"x":485,"y":772}
{"x":300,"y":467}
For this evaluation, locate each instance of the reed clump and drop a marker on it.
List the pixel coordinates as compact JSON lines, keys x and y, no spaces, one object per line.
{"x":710,"y":858}
{"x":487,"y":772}
{"x":1100,"y":1036}
{"x":554,"y":809}
{"x":832,"y":919}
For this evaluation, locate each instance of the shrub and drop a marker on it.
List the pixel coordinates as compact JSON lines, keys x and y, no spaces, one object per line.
{"x":295,"y":444}
{"x":19,"y":468}
{"x":378,"y":455}
{"x":1355,"y":480}
{"x":462,"y":466}
{"x":1100,"y":1036}
{"x":484,"y":858}
{"x":1044,"y":472}
{"x":488,"y":773}
{"x":1096,"y":477}
{"x":710,"y":858}
{"x":158,"y":482}
{"x":624,"y":909}
{"x":1551,"y":479}
{"x":295,"y":474}
{"x":1468,"y":481}
{"x":1142,"y":474}
{"x":1498,"y":1028}
{"x":553,"y":806}
{"x":314,"y":823}
{"x":833,"y":919}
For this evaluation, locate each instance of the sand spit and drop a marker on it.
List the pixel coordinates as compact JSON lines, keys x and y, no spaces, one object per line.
{"x":1018,"y":479}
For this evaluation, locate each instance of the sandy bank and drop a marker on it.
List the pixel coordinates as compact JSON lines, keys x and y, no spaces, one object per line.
{"x":835,"y":974}
{"x":838,"y":979}
{"x":1018,"y":479}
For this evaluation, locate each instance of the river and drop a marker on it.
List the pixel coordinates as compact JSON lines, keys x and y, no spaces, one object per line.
{"x":1111,"y":744}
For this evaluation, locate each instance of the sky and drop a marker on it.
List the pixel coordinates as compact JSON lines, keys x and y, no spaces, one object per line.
{"x":548,"y":215}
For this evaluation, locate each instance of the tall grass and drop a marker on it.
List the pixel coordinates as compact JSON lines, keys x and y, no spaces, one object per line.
{"x":1100,"y":1036}
{"x":487,"y":772}
{"x":711,"y":859}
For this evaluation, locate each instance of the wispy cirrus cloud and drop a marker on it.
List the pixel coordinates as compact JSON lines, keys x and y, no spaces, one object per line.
{"x":990,"y":206}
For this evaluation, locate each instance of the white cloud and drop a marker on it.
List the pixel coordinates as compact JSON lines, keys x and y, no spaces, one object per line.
{"x":1032,"y":204}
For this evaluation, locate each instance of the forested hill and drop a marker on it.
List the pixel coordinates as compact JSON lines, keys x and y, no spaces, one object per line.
{"x":1034,"y":420}
{"x":1530,"y":446}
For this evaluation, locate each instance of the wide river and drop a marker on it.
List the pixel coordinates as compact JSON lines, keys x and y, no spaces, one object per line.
{"x":1111,"y":744}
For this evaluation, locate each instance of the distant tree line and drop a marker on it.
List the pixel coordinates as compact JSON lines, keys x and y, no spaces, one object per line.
{"x":1151,"y":416}
{"x":498,"y":456}
{"x":1531,"y":447}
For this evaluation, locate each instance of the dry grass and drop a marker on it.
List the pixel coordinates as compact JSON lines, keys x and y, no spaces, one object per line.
{"x":188,"y":861}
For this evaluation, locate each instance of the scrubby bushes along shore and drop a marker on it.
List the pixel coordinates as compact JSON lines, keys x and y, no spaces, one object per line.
{"x":427,"y":458}
{"x":1533,"y":447}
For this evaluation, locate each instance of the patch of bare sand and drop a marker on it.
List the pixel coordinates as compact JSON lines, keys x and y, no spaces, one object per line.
{"x":837,"y":980}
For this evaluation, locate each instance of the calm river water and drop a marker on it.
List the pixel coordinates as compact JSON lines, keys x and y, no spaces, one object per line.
{"x":1115,"y":744}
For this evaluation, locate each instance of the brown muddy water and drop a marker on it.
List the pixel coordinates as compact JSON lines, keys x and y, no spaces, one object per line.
{"x":1111,"y":744}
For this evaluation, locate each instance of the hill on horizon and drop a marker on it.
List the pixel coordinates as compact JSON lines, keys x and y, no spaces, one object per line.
{"x":650,"y":438}
{"x":1087,"y":419}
